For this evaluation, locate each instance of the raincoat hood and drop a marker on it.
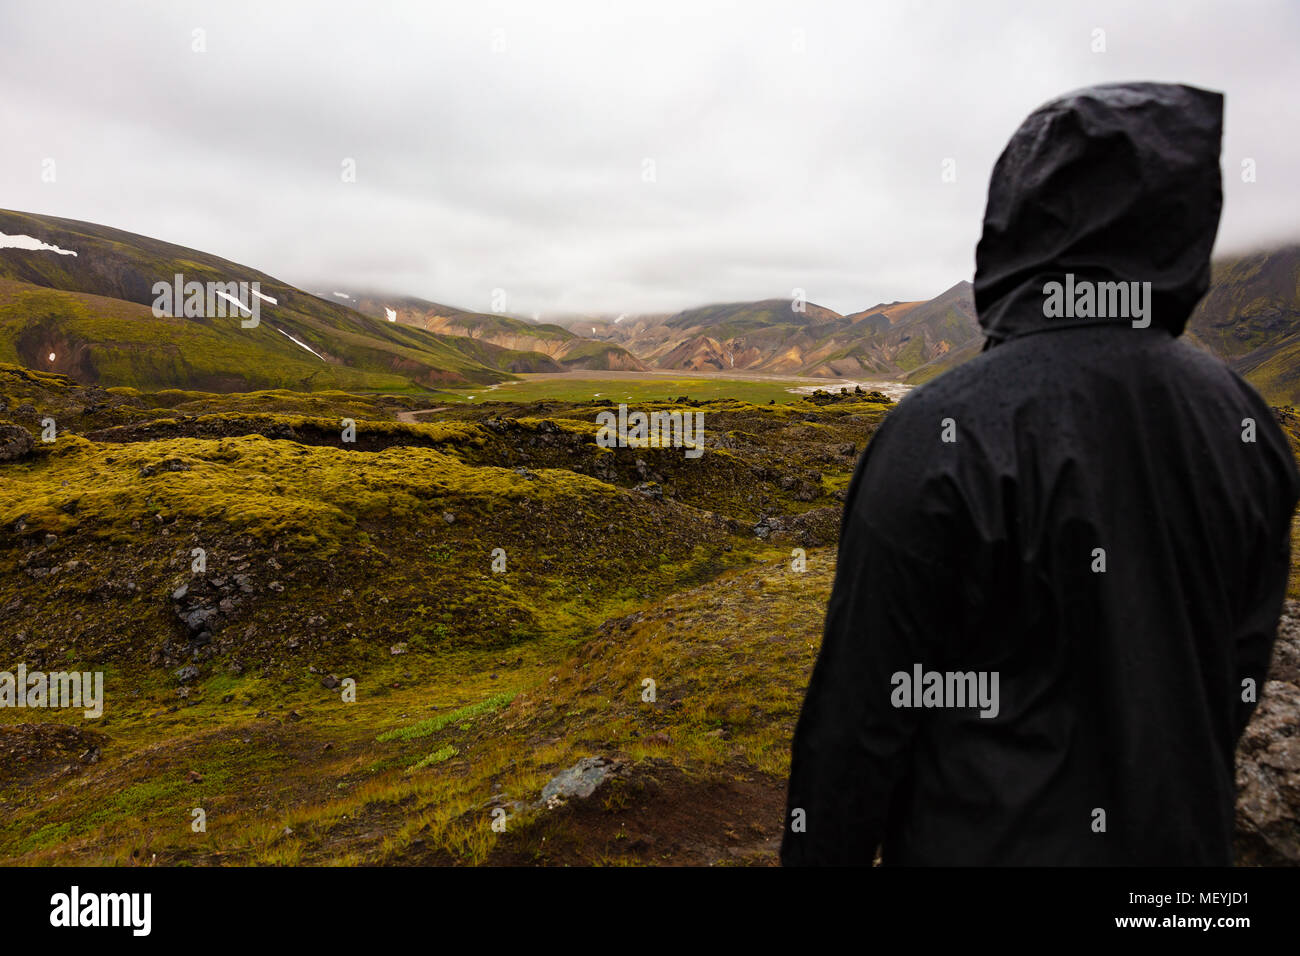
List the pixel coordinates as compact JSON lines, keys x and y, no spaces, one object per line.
{"x":1113,"y":183}
{"x":1062,"y":561}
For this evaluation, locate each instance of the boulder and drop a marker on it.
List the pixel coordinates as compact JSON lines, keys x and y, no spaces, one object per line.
{"x":15,"y":442}
{"x":1268,"y":760}
{"x":579,"y":782}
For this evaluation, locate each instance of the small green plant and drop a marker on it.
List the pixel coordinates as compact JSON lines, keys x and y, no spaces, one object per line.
{"x":434,"y":724}
{"x":438,"y":756}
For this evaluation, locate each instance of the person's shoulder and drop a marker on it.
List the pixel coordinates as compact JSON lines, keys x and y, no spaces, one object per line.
{"x":1211,"y":373}
{"x":1205,"y":363}
{"x":947,"y":394}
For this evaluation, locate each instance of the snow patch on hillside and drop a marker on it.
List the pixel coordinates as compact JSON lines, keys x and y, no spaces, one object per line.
{"x":301,"y":344}
{"x":232,"y":299}
{"x":35,"y":245}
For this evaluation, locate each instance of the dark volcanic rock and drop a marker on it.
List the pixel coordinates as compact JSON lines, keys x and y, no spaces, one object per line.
{"x":651,"y":489}
{"x":197,"y":619}
{"x":15,"y":442}
{"x":187,"y":673}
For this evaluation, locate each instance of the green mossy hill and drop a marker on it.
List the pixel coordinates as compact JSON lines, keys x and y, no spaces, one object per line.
{"x":91,"y":315}
{"x":759,"y":460}
{"x":358,"y":546}
{"x":28,"y":397}
{"x":108,"y":341}
{"x":338,"y":547}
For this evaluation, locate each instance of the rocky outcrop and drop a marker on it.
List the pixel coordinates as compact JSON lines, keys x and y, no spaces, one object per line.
{"x":15,"y":442}
{"x":580,"y":781}
{"x":1268,"y":760}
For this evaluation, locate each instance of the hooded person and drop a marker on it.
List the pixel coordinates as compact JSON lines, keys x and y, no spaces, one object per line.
{"x":1061,"y":564}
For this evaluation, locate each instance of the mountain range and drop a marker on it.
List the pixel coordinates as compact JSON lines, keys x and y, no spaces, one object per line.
{"x":784,"y":337}
{"x":1250,"y":317}
{"x":89,"y":315}
{"x":542,"y":347}
{"x":77,"y":298}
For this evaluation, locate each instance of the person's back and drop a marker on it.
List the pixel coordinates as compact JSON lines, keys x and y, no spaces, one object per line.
{"x":1061,"y":564}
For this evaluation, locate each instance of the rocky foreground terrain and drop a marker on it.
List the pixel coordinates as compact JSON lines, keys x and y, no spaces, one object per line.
{"x":476,"y":638}
{"x":1268,"y":760}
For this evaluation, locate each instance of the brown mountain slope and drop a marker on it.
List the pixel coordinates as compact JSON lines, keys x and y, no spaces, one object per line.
{"x":778,"y":336}
{"x":542,"y":347}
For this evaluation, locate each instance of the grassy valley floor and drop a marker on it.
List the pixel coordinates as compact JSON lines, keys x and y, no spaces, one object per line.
{"x":398,"y":640}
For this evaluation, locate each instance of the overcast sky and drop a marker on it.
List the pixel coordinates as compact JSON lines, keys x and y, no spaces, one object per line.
{"x":599,"y":156}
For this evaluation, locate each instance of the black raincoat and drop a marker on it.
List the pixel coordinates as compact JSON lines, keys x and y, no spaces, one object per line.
{"x":1092,"y":512}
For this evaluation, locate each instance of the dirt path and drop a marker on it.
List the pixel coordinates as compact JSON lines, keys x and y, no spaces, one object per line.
{"x":410,"y":417}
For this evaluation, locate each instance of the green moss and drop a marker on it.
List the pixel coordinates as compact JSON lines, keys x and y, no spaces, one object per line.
{"x":434,"y":724}
{"x":119,"y":343}
{"x":46,"y":835}
{"x":437,"y":757}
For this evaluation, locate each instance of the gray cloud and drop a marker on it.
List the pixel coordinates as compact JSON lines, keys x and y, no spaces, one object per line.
{"x":795,"y":144}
